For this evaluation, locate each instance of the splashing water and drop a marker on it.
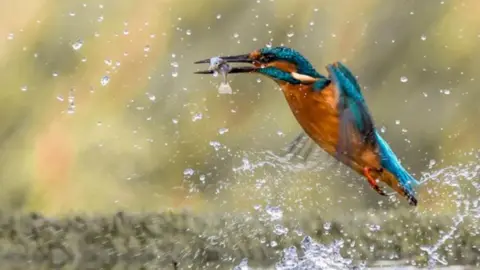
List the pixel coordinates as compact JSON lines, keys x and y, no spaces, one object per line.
{"x":315,"y":257}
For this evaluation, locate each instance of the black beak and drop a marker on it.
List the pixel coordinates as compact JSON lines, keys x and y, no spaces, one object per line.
{"x":244,"y":58}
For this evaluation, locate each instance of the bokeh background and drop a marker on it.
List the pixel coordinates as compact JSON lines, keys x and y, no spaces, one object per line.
{"x":100,"y":109}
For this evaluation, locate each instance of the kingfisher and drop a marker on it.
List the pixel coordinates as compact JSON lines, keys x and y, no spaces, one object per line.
{"x":332,"y":111}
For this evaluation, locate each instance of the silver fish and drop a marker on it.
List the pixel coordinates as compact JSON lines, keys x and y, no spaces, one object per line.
{"x":219,"y":65}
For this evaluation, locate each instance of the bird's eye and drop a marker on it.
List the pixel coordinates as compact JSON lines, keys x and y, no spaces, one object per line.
{"x":266,"y":58}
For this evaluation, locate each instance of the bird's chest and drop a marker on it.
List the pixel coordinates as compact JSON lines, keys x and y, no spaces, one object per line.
{"x":316,"y":112}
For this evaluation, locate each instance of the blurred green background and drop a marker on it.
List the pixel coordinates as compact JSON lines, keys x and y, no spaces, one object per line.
{"x":153,"y":136}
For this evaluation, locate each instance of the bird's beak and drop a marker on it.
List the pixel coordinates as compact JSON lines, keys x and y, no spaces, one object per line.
{"x":244,"y":58}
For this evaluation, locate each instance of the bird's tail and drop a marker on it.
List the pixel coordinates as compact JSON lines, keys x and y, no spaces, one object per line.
{"x":402,"y":182}
{"x":395,"y":174}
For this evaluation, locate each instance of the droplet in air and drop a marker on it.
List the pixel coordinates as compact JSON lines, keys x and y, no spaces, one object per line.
{"x":24,"y":88}
{"x":175,"y":71}
{"x":397,"y":122}
{"x":55,"y":74}
{"x":72,"y":14}
{"x":222,"y":131}
{"x":275,"y":212}
{"x":280,"y":230}
{"x":383,"y":129}
{"x":71,"y":103}
{"x":188,"y":172}
{"x":108,"y":62}
{"x":188,"y":32}
{"x":197,"y":116}
{"x":290,"y":34}
{"x":105,"y":80}
{"x":219,"y":16}
{"x":146,"y":48}
{"x":423,"y":37}
{"x":151,"y":97}
{"x":126,"y":32}
{"x":236,"y":35}
{"x":77,"y":45}
{"x":10,"y":36}
{"x":403,"y":79}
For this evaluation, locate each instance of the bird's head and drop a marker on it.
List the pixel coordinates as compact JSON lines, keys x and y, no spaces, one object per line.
{"x":284,"y":65}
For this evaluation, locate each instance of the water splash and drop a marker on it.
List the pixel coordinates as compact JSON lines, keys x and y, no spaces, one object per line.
{"x":315,"y":257}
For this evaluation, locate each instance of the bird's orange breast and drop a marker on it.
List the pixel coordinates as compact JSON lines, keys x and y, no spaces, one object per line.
{"x":317,"y":113}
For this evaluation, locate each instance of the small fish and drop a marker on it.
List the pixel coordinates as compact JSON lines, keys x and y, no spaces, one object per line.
{"x":219,"y":65}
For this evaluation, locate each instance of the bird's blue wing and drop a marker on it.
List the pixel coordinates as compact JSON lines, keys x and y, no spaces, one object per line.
{"x":355,"y":119}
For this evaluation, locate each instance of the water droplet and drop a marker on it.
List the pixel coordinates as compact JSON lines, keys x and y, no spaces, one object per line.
{"x":383,"y":129}
{"x":275,"y":212}
{"x":71,"y":103}
{"x":77,"y":45}
{"x":197,"y":116}
{"x":175,"y":121}
{"x":445,"y":91}
{"x":279,"y":229}
{"x":108,"y":62}
{"x":10,"y":36}
{"x":236,"y":35}
{"x":374,"y":227}
{"x":397,"y":122}
{"x":423,"y":37}
{"x":188,"y":32}
{"x":188,"y":172}
{"x":219,"y":16}
{"x":55,"y":74}
{"x":432,"y":163}
{"x":269,"y":44}
{"x":72,"y":14}
{"x":146,"y":48}
{"x":151,"y":97}
{"x":60,"y":98}
{"x":222,"y":131}
{"x":126,"y":32}
{"x":403,"y":79}
{"x":100,"y":19}
{"x":24,"y":88}
{"x":327,"y":226}
{"x":290,"y":34}
{"x":273,"y":243}
{"x":202,"y":178}
{"x":105,"y":80}
{"x":175,"y":71}
{"x":259,"y":80}
{"x":216,"y":145}
{"x":243,"y":265}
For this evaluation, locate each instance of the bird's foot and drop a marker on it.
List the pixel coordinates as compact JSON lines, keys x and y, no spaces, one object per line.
{"x":372,"y":181}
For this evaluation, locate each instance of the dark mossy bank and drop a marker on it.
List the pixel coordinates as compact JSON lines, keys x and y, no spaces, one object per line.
{"x":182,"y":239}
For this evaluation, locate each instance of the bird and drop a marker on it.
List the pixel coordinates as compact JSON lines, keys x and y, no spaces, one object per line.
{"x":332,"y":111}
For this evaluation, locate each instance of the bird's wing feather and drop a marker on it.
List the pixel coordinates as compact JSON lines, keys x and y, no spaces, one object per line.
{"x":355,"y":119}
